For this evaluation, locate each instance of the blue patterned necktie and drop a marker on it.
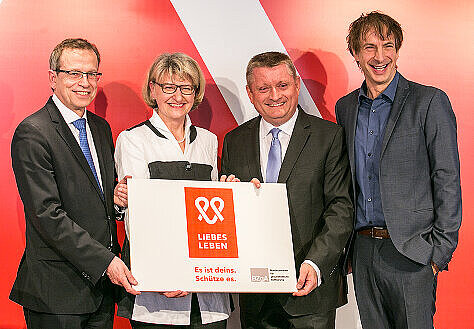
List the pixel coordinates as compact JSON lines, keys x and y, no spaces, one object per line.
{"x":274,"y":158}
{"x":80,"y":124}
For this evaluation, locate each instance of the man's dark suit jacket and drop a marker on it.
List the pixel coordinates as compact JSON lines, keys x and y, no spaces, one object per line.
{"x":419,"y":170}
{"x":316,"y":172}
{"x":68,"y":224}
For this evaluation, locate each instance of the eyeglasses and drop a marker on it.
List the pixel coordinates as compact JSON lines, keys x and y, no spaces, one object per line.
{"x":78,"y":75}
{"x":169,"y":88}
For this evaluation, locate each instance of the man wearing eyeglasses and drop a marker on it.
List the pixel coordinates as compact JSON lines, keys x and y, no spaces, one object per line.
{"x":62,"y":157}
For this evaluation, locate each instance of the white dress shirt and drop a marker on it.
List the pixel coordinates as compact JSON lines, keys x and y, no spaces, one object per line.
{"x":135,"y":149}
{"x":265,"y":142}
{"x":70,"y":116}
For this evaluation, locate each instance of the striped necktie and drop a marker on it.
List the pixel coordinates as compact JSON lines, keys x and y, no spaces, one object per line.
{"x":80,"y":124}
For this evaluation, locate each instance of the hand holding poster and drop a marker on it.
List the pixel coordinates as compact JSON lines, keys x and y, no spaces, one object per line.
{"x":210,"y":236}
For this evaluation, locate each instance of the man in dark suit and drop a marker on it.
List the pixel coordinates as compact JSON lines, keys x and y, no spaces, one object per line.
{"x":62,"y":157}
{"x":286,"y":145}
{"x":401,"y":138}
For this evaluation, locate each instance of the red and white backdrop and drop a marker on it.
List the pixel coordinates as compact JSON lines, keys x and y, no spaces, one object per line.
{"x":222,"y":36}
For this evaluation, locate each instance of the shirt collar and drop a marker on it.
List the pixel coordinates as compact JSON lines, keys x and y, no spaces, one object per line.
{"x":69,"y":115}
{"x":389,"y":92}
{"x":161,"y":126}
{"x":287,"y":127}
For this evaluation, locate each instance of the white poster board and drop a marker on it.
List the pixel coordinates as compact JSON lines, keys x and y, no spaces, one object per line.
{"x":210,"y":236}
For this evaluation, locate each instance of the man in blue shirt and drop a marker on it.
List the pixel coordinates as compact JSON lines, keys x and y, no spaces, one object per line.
{"x":403,"y":153}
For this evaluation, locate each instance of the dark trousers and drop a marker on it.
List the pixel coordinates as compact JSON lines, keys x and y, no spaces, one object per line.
{"x":392,"y":291}
{"x":103,"y":318}
{"x":196,"y":322}
{"x":272,"y":316}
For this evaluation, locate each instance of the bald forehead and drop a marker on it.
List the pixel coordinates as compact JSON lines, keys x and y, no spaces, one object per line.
{"x":78,"y":55}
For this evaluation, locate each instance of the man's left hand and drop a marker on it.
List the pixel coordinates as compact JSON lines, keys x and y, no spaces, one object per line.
{"x":120,"y":275}
{"x":231,"y":178}
{"x":307,"y":281}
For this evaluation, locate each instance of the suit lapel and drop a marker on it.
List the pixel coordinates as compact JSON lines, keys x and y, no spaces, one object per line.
{"x":253,"y":158}
{"x":100,"y":148}
{"x":398,"y":103}
{"x":351,"y":129}
{"x":297,"y":142}
{"x":63,"y":130}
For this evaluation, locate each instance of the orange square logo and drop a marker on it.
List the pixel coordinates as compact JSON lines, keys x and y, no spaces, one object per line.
{"x":211,"y":223}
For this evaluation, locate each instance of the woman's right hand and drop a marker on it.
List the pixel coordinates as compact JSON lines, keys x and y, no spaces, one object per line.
{"x":121,"y":193}
{"x":175,"y":294}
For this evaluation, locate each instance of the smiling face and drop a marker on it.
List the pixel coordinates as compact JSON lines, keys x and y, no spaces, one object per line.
{"x":274,"y":93}
{"x":172,"y":107}
{"x":76,"y":95}
{"x":377,"y":59}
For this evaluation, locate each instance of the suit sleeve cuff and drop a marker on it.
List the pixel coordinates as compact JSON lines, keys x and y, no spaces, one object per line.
{"x":316,"y":268}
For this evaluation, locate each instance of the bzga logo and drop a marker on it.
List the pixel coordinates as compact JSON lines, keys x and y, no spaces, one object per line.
{"x":259,"y":275}
{"x":203,"y":209}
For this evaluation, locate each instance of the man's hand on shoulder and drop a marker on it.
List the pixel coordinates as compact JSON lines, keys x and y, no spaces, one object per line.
{"x":307,"y":281}
{"x":120,"y":275}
